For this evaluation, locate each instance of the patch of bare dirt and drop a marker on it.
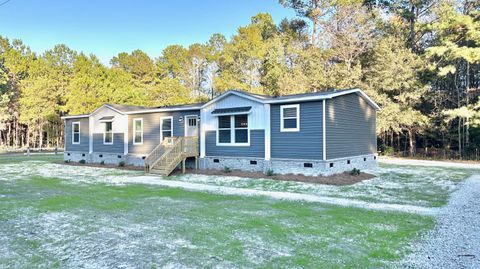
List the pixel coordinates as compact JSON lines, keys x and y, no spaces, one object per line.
{"x":337,"y":180}
{"x":126,"y":167}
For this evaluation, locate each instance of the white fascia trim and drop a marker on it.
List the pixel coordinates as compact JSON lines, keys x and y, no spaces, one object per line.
{"x":327,"y":96}
{"x":74,"y":117}
{"x":284,"y":130}
{"x":161,"y":126}
{"x":79,"y":132}
{"x":163,"y":110}
{"x":135,"y":131}
{"x":361,"y":93}
{"x":227,"y":93}
{"x":106,"y":105}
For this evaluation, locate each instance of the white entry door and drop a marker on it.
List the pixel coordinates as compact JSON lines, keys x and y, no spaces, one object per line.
{"x":191,"y":125}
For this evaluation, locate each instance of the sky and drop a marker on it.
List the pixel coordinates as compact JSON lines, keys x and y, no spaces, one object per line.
{"x":107,"y":27}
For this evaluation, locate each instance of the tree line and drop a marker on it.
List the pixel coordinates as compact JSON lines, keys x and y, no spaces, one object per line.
{"x":419,"y":60}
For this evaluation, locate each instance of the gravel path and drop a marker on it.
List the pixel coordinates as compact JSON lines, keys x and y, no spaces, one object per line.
{"x":405,"y":161}
{"x":455,"y":240}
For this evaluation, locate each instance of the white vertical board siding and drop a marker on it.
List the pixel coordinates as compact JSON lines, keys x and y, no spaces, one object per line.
{"x":120,"y":122}
{"x":256,"y":117}
{"x":119,"y":128}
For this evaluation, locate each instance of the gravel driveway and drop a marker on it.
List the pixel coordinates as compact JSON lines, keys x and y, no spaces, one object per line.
{"x":455,"y":241}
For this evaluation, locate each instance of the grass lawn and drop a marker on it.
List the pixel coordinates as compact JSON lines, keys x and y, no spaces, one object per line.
{"x":54,"y":215}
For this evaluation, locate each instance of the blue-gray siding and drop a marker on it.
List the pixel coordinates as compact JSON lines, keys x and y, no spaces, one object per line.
{"x":350,"y":122}
{"x":84,"y":133}
{"x":151,"y":129}
{"x":116,"y":147}
{"x":304,"y":144}
{"x":256,"y":148}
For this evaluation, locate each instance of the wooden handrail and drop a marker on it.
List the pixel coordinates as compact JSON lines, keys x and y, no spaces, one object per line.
{"x":171,"y":152}
{"x":154,"y":156}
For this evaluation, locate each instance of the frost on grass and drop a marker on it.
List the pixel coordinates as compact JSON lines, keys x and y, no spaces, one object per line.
{"x":112,"y":218}
{"x":397,"y":185}
{"x":30,"y":169}
{"x":420,"y":186}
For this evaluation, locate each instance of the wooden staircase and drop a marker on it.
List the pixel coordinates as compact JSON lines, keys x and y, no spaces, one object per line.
{"x":170,"y":153}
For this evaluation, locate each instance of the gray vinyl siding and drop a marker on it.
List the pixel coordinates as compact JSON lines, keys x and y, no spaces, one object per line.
{"x":304,"y":144}
{"x":151,"y":129}
{"x":116,"y":147}
{"x":350,"y":122}
{"x":256,"y":148}
{"x":84,"y":135}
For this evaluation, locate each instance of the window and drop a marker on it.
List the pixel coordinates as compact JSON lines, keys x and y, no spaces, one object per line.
{"x":233,"y":130}
{"x":224,"y":129}
{"x":75,"y":132}
{"x":192,"y":122}
{"x":108,"y":133}
{"x":166,"y":127}
{"x":290,"y":118}
{"x":241,"y":129}
{"x":138,"y":131}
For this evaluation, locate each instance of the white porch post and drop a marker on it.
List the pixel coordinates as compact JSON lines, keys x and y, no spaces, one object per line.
{"x":324,"y":135}
{"x":202,"y":132}
{"x":125,"y":136}
{"x":90,"y":134}
{"x":267,"y":132}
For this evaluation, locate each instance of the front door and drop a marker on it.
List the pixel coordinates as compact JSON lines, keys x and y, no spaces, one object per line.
{"x":191,"y":125}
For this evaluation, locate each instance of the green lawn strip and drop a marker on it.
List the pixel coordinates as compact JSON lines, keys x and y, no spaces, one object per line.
{"x":219,"y":229}
{"x":5,"y":158}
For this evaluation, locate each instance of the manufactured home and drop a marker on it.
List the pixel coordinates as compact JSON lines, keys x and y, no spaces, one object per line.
{"x":312,"y":134}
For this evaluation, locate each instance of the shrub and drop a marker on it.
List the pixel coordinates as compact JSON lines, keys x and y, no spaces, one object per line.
{"x":227,"y":169}
{"x":121,"y":164}
{"x":355,"y":172}
{"x":67,"y":161}
{"x":269,"y":172}
{"x":102,"y":162}
{"x":82,"y":161}
{"x":389,"y":151}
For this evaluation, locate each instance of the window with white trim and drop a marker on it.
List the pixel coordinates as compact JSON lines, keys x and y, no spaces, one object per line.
{"x":138,"y":131}
{"x":192,"y":122}
{"x":233,"y":130}
{"x":224,"y":129}
{"x":108,"y":133}
{"x":166,"y":127}
{"x":75,"y":132}
{"x":290,"y":118}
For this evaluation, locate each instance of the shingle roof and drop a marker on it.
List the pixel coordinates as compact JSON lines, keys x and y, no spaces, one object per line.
{"x":127,"y":108}
{"x":307,"y":94}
